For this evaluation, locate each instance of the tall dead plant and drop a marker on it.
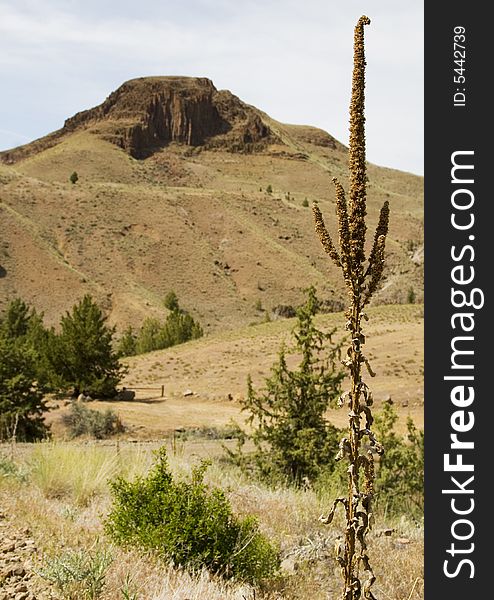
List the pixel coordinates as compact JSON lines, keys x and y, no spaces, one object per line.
{"x":362,"y":276}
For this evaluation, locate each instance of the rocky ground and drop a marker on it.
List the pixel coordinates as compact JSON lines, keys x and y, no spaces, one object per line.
{"x":18,"y":559}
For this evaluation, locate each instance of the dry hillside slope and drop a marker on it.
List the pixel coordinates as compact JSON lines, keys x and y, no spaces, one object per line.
{"x":172,"y":194}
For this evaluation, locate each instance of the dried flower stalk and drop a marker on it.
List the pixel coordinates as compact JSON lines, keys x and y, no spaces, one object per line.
{"x":362,"y":283}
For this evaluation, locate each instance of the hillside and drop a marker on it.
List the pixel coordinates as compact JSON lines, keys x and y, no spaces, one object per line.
{"x":173,"y":194}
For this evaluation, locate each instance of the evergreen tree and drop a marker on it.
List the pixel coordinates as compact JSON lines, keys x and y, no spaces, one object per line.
{"x":15,"y":321}
{"x":23,"y":326}
{"x":171,"y":301}
{"x":149,"y":337}
{"x":21,"y":396}
{"x":127,"y":346}
{"x":83,"y":355}
{"x":178,"y":327}
{"x":293,"y":440}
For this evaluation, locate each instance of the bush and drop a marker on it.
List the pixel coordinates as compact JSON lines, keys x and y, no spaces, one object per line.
{"x":171,"y":301}
{"x":400,"y":472}
{"x":82,"y":420}
{"x":10,"y":470}
{"x":74,"y":178}
{"x":78,"y":574}
{"x":188,"y":523}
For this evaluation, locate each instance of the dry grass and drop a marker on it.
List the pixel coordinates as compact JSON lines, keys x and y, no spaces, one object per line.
{"x":218,"y":365}
{"x":50,"y":505}
{"x":149,"y":231}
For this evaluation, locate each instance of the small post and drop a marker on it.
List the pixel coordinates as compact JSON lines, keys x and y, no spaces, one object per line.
{"x":162,"y":391}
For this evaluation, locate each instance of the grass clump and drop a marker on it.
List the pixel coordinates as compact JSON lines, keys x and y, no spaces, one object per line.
{"x":189,"y":523}
{"x":67,"y":471}
{"x":82,"y":420}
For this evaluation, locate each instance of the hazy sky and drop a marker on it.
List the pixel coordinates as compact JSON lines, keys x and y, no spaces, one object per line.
{"x":290,"y":58}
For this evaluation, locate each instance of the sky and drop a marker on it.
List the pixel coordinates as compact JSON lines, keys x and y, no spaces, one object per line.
{"x":290,"y":58}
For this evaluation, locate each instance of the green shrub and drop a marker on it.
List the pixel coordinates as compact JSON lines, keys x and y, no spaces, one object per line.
{"x":73,"y":178}
{"x":400,"y":471}
{"x":78,"y":574}
{"x":171,"y":301}
{"x":305,"y":203}
{"x":9,"y":469}
{"x":82,"y":420}
{"x":188,"y":523}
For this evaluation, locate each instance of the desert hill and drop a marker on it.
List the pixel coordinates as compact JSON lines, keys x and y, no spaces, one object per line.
{"x":185,"y":187}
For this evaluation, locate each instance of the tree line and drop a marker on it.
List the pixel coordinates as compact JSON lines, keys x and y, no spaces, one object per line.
{"x":81,"y":355}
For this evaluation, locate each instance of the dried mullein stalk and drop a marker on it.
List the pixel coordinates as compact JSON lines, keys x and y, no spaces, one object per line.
{"x":359,"y":445}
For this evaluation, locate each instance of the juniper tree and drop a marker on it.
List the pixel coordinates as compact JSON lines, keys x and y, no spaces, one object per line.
{"x":22,"y":404}
{"x":83,"y":355}
{"x":293,"y":440}
{"x":362,"y":276}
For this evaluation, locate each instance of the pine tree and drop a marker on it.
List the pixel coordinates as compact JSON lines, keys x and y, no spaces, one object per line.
{"x":21,"y":396}
{"x":127,"y":346}
{"x":83,"y":355}
{"x":15,"y":321}
{"x":24,"y":327}
{"x":171,"y":301}
{"x":293,"y":440}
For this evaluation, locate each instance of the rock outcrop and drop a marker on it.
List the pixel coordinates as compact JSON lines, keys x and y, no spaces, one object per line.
{"x":145,"y":114}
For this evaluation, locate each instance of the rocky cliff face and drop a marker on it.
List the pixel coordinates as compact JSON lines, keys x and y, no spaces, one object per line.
{"x":145,"y":114}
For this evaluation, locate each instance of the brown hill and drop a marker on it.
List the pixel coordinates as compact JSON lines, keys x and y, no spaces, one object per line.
{"x":185,"y":187}
{"x":145,"y":114}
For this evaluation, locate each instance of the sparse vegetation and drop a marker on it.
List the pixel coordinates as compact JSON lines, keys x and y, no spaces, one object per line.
{"x":60,"y":490}
{"x":74,"y":178}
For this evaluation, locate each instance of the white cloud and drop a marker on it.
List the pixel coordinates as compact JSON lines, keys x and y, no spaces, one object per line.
{"x":289,"y":58}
